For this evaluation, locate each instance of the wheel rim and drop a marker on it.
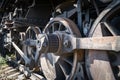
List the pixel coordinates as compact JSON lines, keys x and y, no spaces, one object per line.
{"x":30,"y":51}
{"x":60,"y":67}
{"x":98,"y":61}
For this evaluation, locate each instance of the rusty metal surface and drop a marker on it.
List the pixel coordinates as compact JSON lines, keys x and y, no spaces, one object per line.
{"x":76,"y":44}
{"x":100,"y":43}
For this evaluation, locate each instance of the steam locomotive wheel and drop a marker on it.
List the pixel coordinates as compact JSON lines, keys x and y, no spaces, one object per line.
{"x":98,"y":63}
{"x":62,"y":67}
{"x":30,"y":51}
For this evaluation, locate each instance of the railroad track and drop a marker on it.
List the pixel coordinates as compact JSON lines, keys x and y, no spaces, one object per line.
{"x":18,"y":72}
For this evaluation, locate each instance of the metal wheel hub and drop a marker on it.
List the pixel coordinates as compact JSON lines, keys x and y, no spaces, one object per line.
{"x":49,"y":43}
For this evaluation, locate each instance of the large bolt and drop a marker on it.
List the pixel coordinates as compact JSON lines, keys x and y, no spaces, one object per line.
{"x":67,"y":44}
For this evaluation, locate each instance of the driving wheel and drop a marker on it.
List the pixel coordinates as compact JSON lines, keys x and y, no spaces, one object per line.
{"x":60,"y":67}
{"x":98,"y":63}
{"x":29,"y":50}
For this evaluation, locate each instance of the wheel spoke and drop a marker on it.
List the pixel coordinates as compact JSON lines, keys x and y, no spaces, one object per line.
{"x":29,"y":34}
{"x":63,"y":70}
{"x":59,"y":28}
{"x":67,"y":61}
{"x":54,"y":59}
{"x":36,"y":55}
{"x":110,"y":28}
{"x":53,"y":28}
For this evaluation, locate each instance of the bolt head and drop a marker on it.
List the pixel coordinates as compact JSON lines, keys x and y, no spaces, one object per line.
{"x":67,"y":44}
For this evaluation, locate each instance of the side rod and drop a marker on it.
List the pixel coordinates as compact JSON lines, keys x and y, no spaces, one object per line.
{"x":26,"y":59}
{"x":98,"y":43}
